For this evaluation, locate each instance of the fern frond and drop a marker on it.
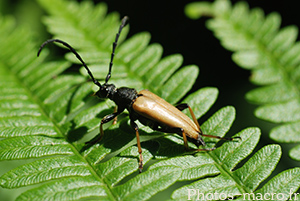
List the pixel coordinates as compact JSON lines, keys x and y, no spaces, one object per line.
{"x":45,"y":110}
{"x":271,"y":53}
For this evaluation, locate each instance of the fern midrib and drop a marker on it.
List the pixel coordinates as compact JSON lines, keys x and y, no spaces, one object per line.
{"x":57,"y":127}
{"x":286,"y":76}
{"x":90,"y":38}
{"x":287,"y":79}
{"x":228,"y":172}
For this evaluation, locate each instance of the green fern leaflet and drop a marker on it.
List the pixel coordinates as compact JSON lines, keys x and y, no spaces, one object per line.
{"x":47,"y":113}
{"x":270,"y":53}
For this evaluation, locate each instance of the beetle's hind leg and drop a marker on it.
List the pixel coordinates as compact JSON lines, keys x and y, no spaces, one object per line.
{"x":183,"y":106}
{"x":186,"y":146}
{"x":136,"y":128}
{"x":179,"y":131}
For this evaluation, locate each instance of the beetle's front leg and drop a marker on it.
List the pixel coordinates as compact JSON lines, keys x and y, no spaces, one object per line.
{"x":116,"y":118}
{"x":106,"y":119}
{"x":136,"y":128}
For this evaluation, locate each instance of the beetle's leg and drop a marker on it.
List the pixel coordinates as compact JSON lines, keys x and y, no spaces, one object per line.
{"x":106,"y":119}
{"x":174,"y":130}
{"x":178,"y":131}
{"x":183,"y":106}
{"x":181,"y":131}
{"x":187,"y":146}
{"x":189,"y":149}
{"x":116,"y":118}
{"x":136,"y":128}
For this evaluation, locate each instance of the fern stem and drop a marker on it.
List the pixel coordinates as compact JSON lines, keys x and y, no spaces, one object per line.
{"x":242,"y":188}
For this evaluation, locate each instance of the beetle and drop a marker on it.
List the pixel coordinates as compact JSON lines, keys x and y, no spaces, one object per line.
{"x":144,"y":106}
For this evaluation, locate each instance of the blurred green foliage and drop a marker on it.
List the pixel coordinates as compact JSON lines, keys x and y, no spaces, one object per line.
{"x":26,"y":13}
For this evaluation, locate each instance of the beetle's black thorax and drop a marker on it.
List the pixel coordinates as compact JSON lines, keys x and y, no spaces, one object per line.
{"x":124,"y":97}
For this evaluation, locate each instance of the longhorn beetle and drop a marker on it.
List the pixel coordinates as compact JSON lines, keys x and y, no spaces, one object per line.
{"x":145,"y":106}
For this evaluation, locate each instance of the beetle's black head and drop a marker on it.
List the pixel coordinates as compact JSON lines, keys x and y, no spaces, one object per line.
{"x":106,"y":91}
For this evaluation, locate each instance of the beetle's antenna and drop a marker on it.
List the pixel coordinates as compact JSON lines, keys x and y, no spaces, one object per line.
{"x":74,"y":52}
{"x":124,"y":20}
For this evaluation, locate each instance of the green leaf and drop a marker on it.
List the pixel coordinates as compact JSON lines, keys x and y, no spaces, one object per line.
{"x":70,"y":188}
{"x":256,"y":170}
{"x":132,"y":47}
{"x":270,"y":52}
{"x":32,"y":146}
{"x":294,"y":153}
{"x":145,"y":185}
{"x":202,"y":100}
{"x":159,"y":73}
{"x":272,"y":93}
{"x":195,"y":10}
{"x":287,"y":133}
{"x":219,"y":123}
{"x":44,"y":170}
{"x":180,"y":83}
{"x":145,"y":62}
{"x":284,"y":184}
{"x":238,"y":182}
{"x":288,"y":111}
